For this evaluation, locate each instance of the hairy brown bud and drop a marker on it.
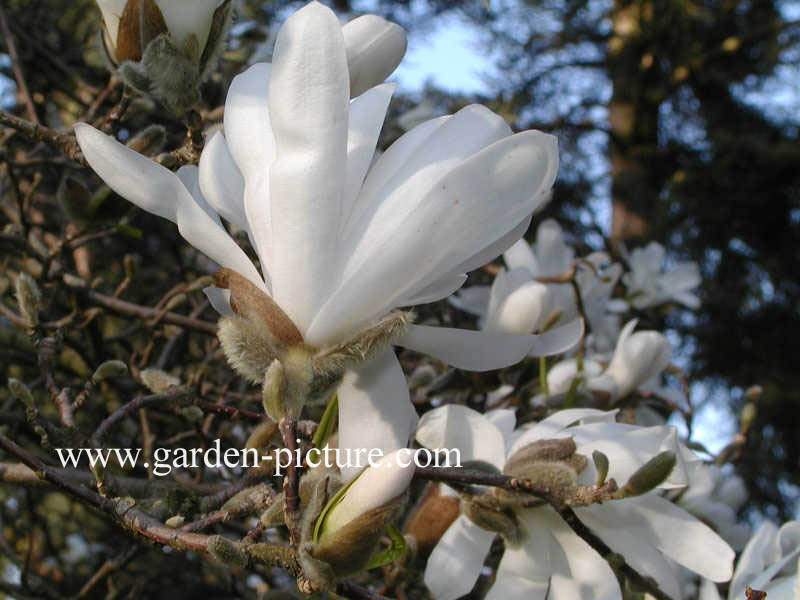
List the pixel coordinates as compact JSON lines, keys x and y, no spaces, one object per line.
{"x":29,"y":298}
{"x":110,"y":368}
{"x":252,"y":304}
{"x":486,"y":514}
{"x":433,"y":513}
{"x":158,"y":381}
{"x":226,"y":551}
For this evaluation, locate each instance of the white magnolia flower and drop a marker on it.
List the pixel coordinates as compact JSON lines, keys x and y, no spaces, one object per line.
{"x":715,"y":498}
{"x":769,"y":562}
{"x":649,"y":284}
{"x":343,"y":241}
{"x":550,"y":560}
{"x":637,"y":363}
{"x":549,"y":256}
{"x":182,"y":18}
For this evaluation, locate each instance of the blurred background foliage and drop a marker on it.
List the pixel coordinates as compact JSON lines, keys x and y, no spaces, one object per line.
{"x":677,"y":120}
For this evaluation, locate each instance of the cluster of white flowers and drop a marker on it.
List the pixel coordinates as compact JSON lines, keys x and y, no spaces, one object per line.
{"x":344,"y":240}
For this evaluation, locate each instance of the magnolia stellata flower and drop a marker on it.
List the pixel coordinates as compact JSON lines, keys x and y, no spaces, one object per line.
{"x":165,"y":48}
{"x":517,"y":291}
{"x":543,"y":558}
{"x":649,"y":283}
{"x":342,"y":241}
{"x":769,"y":562}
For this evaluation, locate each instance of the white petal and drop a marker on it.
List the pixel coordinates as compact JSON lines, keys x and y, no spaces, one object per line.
{"x":608,"y":522}
{"x":374,"y":49}
{"x":380,"y":483}
{"x":554,"y":424}
{"x":391,"y":161}
{"x":589,"y":573}
{"x":483,"y":350}
{"x":309,"y":107}
{"x":455,"y":563}
{"x":503,"y":418}
{"x":248,"y":132}
{"x":367,"y":113}
{"x":187,"y":17}
{"x":517,"y":304}
{"x":520,"y":256}
{"x":162,"y":192}
{"x":438,"y":290}
{"x":497,"y":248}
{"x":708,"y":591}
{"x":476,"y":203}
{"x":455,"y":426}
{"x":683,"y":538}
{"x":375,"y":411}
{"x":112,"y":12}
{"x":760,"y":551}
{"x":474,"y":300}
{"x":508,"y":586}
{"x":220,"y":300}
{"x":221,"y":182}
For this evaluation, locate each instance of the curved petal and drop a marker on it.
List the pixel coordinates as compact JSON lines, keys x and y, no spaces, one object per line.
{"x":589,"y":576}
{"x":535,"y":556}
{"x":473,"y":300}
{"x":186,"y":18}
{"x":556,"y":423}
{"x":440,"y":289}
{"x":367,"y":113}
{"x":521,"y":256}
{"x":220,"y":300}
{"x":455,"y":563}
{"x":475,"y":204}
{"x":160,"y":191}
{"x":760,"y":551}
{"x":508,"y":586}
{"x":309,"y":106}
{"x":375,"y":411}
{"x":457,"y":427}
{"x":470,"y":130}
{"x":390,"y":162}
{"x":484,"y":351}
{"x":248,"y":132}
{"x":608,"y":522}
{"x":221,"y":182}
{"x":374,"y":49}
{"x":682,"y":538}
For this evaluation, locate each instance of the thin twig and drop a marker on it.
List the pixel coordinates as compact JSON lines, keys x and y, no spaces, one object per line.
{"x":17,"y":67}
{"x":64,"y":143}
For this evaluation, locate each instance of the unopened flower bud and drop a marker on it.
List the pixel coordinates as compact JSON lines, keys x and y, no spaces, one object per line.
{"x":753,"y":393}
{"x":601,"y":465}
{"x":165,"y":48}
{"x":21,"y":392}
{"x":29,"y":298}
{"x":649,"y":476}
{"x":110,"y":368}
{"x":433,"y":513}
{"x":226,"y":551}
{"x":374,"y":48}
{"x":747,"y":416}
{"x":490,"y":517}
{"x":517,"y":304}
{"x":193,"y":414}
{"x":175,"y":521}
{"x":158,"y":381}
{"x":149,"y":141}
{"x":350,"y":530}
{"x":638,"y":357}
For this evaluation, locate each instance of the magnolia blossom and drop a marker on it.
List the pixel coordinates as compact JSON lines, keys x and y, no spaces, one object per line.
{"x":637,"y":363}
{"x":547,"y":559}
{"x":341,"y":240}
{"x":650,"y":284}
{"x":182,"y":18}
{"x":516,"y":299}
